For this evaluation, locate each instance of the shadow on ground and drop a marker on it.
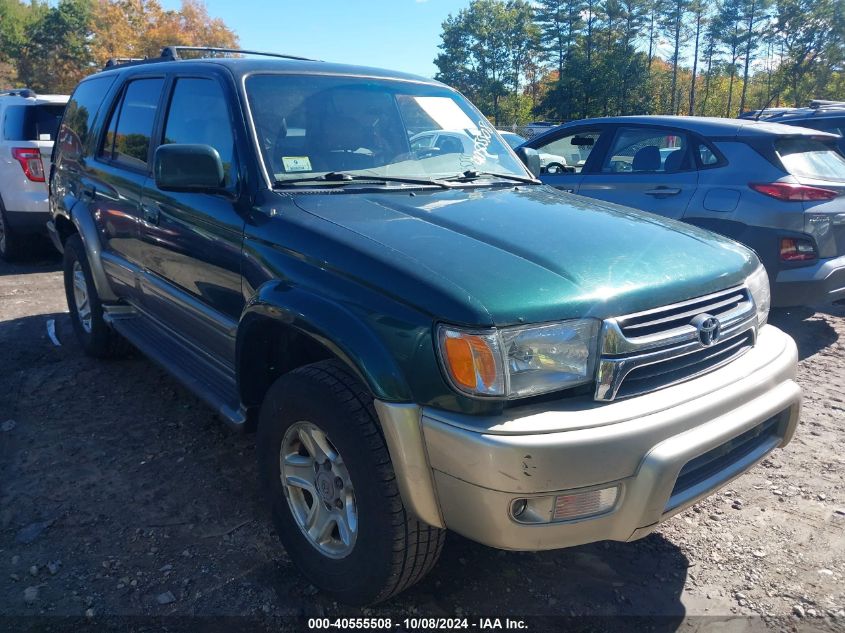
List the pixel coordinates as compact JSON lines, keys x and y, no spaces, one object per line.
{"x":41,"y":258}
{"x":809,"y":328}
{"x":139,"y":481}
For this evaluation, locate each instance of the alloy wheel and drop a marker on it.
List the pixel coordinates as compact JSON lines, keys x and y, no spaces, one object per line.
{"x":81,"y":297}
{"x":318,"y":490}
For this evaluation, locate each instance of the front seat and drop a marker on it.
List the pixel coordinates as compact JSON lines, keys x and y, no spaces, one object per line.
{"x":340,"y":143}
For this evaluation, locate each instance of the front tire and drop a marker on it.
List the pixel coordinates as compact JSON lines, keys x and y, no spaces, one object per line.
{"x":86,"y":311}
{"x":327,"y":475}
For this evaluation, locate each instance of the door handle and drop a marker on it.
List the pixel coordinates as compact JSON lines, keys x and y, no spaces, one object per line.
{"x":151,"y":213}
{"x":663,"y":192}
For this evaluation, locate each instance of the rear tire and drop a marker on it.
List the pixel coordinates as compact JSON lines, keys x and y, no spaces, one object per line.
{"x":86,"y":312}
{"x":10,"y":241}
{"x":391,"y":550}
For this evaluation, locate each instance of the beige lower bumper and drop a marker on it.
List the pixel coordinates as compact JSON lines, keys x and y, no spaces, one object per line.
{"x":480,"y":466}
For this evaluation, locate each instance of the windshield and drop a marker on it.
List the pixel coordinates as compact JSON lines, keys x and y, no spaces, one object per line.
{"x":811,"y":158}
{"x":313,"y":125}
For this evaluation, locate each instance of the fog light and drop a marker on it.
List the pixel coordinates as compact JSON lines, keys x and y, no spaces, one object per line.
{"x":518,"y":507}
{"x":584,"y":504}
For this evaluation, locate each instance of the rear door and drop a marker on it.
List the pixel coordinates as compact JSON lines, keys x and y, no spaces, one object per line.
{"x":116,"y":177}
{"x":644,"y":167}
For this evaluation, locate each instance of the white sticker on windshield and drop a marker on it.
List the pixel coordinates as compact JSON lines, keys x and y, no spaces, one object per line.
{"x":296,"y":163}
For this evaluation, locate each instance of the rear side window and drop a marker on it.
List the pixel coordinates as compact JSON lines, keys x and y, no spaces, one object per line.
{"x":32,"y":122}
{"x":810,"y":158}
{"x":198,"y":114}
{"x":79,"y":115}
{"x":707,"y":156}
{"x":131,"y":124}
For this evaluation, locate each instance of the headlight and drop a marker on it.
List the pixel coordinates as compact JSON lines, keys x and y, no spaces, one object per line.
{"x":758,"y":286}
{"x":520,"y":361}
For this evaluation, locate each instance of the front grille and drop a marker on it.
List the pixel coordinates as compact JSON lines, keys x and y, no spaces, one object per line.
{"x":680,"y":314}
{"x":669,"y":372}
{"x":716,"y":466}
{"x":650,"y":350}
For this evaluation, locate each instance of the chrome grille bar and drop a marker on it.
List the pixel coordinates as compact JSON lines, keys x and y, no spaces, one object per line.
{"x":670,"y":335}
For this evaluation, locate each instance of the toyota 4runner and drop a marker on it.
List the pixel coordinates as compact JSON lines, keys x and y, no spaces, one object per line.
{"x":425,"y":338}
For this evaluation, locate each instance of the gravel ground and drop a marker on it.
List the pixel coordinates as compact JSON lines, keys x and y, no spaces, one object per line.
{"x":122,"y":495}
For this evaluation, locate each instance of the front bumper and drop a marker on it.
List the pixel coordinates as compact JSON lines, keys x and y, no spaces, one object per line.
{"x":481,"y":466}
{"x":823,"y":282}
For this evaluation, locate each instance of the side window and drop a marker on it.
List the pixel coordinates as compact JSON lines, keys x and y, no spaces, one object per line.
{"x":127,"y":139}
{"x":636,"y":150}
{"x":79,"y":116}
{"x":706,"y":156}
{"x":198,"y":114}
{"x":568,"y":153}
{"x":421,"y":141}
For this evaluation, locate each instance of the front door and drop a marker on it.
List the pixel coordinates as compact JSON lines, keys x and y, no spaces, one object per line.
{"x":646,"y":168}
{"x":192,"y":241}
{"x":565,"y":155}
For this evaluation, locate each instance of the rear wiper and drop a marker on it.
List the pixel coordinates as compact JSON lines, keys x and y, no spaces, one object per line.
{"x":340,"y":178}
{"x":471,"y":175}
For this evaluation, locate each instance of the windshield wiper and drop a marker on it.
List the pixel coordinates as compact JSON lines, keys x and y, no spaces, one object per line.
{"x":470,"y":175}
{"x":341,"y":178}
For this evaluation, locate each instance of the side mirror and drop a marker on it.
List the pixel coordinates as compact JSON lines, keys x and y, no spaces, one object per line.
{"x":531,"y":159}
{"x":182,"y":167}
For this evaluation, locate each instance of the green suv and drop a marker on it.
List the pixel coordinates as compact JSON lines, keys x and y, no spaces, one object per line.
{"x":425,"y":337}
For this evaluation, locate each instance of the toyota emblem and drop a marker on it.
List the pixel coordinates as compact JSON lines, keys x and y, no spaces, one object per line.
{"x":708,"y":328}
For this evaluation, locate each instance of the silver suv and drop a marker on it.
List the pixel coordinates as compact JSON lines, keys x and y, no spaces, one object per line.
{"x":28,"y":125}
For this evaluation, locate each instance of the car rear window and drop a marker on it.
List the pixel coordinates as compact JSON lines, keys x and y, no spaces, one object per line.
{"x":30,"y":122}
{"x":811,"y":158}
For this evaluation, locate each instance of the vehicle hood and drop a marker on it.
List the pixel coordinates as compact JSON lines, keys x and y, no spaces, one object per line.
{"x":503,"y":256}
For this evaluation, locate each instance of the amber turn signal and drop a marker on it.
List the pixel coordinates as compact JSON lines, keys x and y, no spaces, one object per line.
{"x":473,"y":361}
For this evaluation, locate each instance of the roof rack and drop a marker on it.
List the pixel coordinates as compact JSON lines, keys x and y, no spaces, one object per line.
{"x":171,"y":53}
{"x":823,"y":104}
{"x":26,"y":93}
{"x":120,"y":61}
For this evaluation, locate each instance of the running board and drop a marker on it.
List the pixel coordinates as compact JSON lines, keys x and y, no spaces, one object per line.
{"x":210,"y":381}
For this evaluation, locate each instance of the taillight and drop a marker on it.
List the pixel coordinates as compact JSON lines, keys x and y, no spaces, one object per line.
{"x":793,"y":193}
{"x":796,"y":250}
{"x":30,"y":160}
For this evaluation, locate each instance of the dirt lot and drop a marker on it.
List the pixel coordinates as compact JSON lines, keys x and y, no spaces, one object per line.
{"x":122,"y":495}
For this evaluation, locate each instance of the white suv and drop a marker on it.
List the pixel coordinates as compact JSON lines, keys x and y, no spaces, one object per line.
{"x":28,"y":125}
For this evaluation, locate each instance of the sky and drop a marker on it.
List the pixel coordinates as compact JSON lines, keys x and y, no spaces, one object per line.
{"x":397,"y":34}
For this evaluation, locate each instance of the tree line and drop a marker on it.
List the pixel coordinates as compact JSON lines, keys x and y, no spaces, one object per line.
{"x":50,"y":47}
{"x":567,"y":59}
